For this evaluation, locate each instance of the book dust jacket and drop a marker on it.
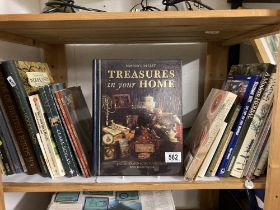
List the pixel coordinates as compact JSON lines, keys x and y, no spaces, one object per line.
{"x":137,"y":117}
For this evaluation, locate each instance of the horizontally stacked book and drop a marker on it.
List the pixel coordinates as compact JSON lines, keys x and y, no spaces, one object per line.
{"x":44,"y":127}
{"x":230,"y":136}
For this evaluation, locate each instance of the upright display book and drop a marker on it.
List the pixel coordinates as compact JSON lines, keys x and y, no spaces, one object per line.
{"x":137,"y":117}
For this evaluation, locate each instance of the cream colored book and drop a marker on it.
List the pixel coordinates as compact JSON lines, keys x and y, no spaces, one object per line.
{"x":205,"y":129}
{"x":203,"y":169}
{"x":263,"y":160}
{"x":46,"y":136}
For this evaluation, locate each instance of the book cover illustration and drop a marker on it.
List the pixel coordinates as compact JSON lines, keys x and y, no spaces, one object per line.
{"x":205,"y":128}
{"x":138,"y":117}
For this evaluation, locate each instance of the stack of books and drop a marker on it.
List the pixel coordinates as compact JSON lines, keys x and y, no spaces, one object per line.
{"x":230,"y":135}
{"x":44,"y":127}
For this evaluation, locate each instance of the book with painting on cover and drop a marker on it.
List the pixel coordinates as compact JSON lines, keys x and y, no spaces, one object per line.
{"x":205,"y":129}
{"x":137,"y":112}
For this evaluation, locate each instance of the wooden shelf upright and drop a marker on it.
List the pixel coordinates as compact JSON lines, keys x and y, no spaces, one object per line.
{"x":219,"y":29}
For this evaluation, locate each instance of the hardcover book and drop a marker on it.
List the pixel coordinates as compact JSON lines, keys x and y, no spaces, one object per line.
{"x":205,"y":129}
{"x":137,"y":112}
{"x":16,"y":122}
{"x":59,"y":133}
{"x":245,"y":88}
{"x":24,"y":79}
{"x":78,"y":123}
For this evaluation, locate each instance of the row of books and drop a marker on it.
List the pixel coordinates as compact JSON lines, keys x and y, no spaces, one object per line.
{"x":230,"y":136}
{"x":136,"y":200}
{"x":44,"y":127}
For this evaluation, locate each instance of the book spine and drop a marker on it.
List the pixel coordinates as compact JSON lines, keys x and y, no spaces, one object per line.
{"x":96,"y":117}
{"x":203,"y":169}
{"x":262,"y":161}
{"x":244,"y":150}
{"x":46,"y":136}
{"x":9,"y":142}
{"x":21,"y":136}
{"x":223,"y":144}
{"x":59,"y":133}
{"x":17,"y":88}
{"x":240,"y":122}
{"x":2,"y":169}
{"x":193,"y":167}
{"x":73,"y":136}
{"x":7,"y":162}
{"x":262,"y":138}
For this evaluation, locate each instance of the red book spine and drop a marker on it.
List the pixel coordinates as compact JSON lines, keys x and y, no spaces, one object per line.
{"x":73,"y":135}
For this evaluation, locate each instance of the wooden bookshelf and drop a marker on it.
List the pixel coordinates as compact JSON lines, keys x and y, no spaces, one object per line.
{"x":219,"y":28}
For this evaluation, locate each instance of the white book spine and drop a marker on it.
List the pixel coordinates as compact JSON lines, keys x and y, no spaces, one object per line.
{"x":211,"y":152}
{"x":254,"y":129}
{"x":51,"y":152}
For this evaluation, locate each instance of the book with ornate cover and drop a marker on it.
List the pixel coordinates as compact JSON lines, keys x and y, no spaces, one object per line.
{"x":137,"y":112}
{"x":262,"y":163}
{"x":78,"y":123}
{"x":245,"y":87}
{"x":53,"y":158}
{"x":205,"y":128}
{"x":255,"y":127}
{"x":59,"y":133}
{"x":24,"y":79}
{"x":22,"y":138}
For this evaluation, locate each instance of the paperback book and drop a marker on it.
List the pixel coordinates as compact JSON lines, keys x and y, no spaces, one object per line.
{"x":137,"y":112}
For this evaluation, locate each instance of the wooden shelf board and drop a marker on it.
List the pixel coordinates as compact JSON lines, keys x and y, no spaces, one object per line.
{"x":141,"y":27}
{"x":228,"y":183}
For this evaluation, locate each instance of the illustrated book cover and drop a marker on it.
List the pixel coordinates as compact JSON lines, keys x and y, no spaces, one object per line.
{"x":137,"y":117}
{"x":205,"y":129}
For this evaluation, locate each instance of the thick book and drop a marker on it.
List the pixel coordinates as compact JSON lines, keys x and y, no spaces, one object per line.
{"x":205,"y":128}
{"x":262,"y":163}
{"x":48,"y":143}
{"x":20,"y":132}
{"x":246,"y":89}
{"x":59,"y":133}
{"x":246,"y":146}
{"x":7,"y":138}
{"x":207,"y":160}
{"x":24,"y":79}
{"x":78,"y":123}
{"x":137,"y":117}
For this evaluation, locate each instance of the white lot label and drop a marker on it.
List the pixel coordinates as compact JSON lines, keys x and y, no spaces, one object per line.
{"x":173,"y":157}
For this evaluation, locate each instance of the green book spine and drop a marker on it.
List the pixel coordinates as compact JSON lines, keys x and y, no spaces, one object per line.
{"x":17,"y":87}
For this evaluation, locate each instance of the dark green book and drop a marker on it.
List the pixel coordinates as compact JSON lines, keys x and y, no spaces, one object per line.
{"x":59,"y":133}
{"x":21,"y":92}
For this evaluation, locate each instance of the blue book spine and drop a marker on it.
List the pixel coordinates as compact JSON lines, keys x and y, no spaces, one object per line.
{"x":246,"y":104}
{"x":59,"y":133}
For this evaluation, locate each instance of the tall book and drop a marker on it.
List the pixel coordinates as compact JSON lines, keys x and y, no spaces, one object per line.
{"x":262,"y":161}
{"x":21,"y":135}
{"x":263,"y":70}
{"x":78,"y":123}
{"x":205,"y":129}
{"x":137,"y":112}
{"x":59,"y":133}
{"x":49,"y":145}
{"x":24,"y":79}
{"x":255,"y":127}
{"x":7,"y":138}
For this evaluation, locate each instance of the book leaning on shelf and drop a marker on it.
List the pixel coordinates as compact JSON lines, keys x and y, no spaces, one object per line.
{"x":24,"y":78}
{"x":17,"y":126}
{"x":205,"y":129}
